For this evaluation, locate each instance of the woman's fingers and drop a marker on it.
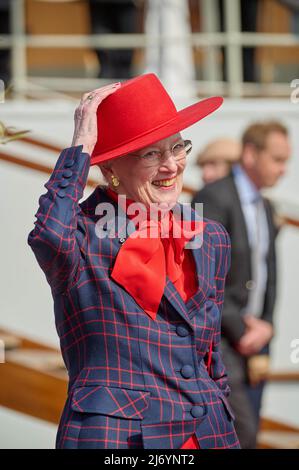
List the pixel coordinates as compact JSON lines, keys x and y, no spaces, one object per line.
{"x":95,"y":100}
{"x":111,"y":85}
{"x":86,"y":132}
{"x":100,"y":92}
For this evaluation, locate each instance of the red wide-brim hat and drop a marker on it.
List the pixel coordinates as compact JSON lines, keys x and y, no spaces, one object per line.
{"x":141,"y":113}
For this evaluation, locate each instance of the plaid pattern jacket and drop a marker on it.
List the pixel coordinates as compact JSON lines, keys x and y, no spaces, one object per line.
{"x":134,"y":382}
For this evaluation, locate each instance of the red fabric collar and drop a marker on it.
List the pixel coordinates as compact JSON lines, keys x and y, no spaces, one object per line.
{"x":142,"y":263}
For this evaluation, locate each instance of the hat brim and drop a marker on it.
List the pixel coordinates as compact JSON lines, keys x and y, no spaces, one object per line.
{"x":183,"y":119}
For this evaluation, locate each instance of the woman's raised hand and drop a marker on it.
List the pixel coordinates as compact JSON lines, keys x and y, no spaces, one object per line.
{"x":86,"y":132}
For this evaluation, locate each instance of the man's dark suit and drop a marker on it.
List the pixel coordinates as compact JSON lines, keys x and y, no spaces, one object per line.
{"x":222,"y":203}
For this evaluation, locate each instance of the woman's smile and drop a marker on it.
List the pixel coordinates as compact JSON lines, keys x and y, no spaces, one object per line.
{"x":165,"y":184}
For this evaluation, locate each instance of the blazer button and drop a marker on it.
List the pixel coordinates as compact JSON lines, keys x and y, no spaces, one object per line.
{"x":69,"y":163}
{"x":250,"y":285}
{"x":187,"y":371}
{"x":182,"y":331}
{"x":67,"y":173}
{"x":61,"y":193}
{"x":63,"y":184}
{"x":197,"y":411}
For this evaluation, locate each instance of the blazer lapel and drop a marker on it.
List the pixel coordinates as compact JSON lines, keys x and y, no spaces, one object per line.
{"x":203,"y":271}
{"x":187,"y":310}
{"x":174,"y":298}
{"x":242,"y":228}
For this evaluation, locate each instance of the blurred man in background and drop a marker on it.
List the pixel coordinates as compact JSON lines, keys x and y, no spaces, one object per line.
{"x":217,"y":158}
{"x":247,"y":321}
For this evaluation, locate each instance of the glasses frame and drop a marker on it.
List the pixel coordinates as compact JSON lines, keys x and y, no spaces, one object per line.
{"x":187,"y":148}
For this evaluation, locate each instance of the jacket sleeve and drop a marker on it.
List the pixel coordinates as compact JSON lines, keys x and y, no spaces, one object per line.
{"x":211,"y":207}
{"x":55,"y":239}
{"x":222,"y":265}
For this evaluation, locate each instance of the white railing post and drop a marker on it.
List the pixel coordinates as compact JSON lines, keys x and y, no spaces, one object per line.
{"x":210,"y":23}
{"x":18,"y":47}
{"x":234,"y":67}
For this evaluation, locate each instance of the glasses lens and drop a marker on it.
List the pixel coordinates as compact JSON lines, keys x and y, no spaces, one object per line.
{"x":151,"y":156}
{"x":178,"y":149}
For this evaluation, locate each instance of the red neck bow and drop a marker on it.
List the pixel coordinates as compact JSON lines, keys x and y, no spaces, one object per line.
{"x":144,"y":260}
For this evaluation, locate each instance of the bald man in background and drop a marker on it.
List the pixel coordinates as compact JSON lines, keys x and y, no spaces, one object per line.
{"x":217,"y":157}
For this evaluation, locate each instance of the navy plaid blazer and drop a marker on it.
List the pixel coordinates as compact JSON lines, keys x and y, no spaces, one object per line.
{"x":134,"y":382}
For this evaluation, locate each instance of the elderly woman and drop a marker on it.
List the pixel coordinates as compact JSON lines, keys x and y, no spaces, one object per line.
{"x":137,"y":312}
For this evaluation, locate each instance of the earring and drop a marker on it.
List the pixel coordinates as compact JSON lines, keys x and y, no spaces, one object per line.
{"x":115,"y":181}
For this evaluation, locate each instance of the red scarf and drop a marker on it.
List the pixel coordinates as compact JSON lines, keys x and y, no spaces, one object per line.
{"x":142,"y":264}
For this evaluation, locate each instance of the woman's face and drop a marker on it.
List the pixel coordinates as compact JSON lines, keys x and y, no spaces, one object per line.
{"x":147,"y":179}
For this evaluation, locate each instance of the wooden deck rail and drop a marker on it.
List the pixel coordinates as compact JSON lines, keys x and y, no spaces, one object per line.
{"x":33,"y":378}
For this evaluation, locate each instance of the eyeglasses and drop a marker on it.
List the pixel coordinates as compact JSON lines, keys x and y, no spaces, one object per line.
{"x":179,"y":151}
